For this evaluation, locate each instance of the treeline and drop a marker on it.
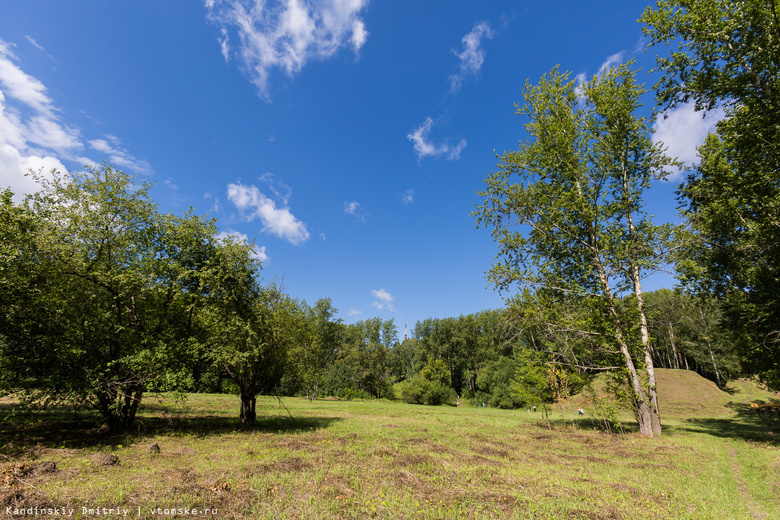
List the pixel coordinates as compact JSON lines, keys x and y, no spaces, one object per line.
{"x":105,"y":299}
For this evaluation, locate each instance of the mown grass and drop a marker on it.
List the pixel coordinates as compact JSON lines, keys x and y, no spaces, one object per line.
{"x":380,"y":459}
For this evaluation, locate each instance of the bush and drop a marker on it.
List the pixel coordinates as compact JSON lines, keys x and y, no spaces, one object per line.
{"x":431,"y":386}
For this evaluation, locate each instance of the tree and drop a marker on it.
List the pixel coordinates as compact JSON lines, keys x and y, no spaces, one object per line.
{"x":728,"y":55}
{"x":321,"y":345}
{"x":566,"y":211}
{"x":104,"y":312}
{"x":431,"y":386}
{"x":253,"y":329}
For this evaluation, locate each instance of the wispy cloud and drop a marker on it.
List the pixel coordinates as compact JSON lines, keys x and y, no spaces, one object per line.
{"x":278,"y":221}
{"x":355,"y":312}
{"x":119,"y":155}
{"x":384,"y":300}
{"x":682,"y":129}
{"x":610,"y":62}
{"x":34,"y":43}
{"x":286,"y":34}
{"x":33,"y":134}
{"x":355,"y":209}
{"x":424,"y":147}
{"x":258,"y":253}
{"x":407,"y":197}
{"x":472,"y":56}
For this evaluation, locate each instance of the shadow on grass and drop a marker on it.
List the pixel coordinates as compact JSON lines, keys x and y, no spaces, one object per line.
{"x":25,"y":433}
{"x":745,"y":425}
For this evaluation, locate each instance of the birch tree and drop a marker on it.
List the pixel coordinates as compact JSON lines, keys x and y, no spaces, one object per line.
{"x":566,"y":211}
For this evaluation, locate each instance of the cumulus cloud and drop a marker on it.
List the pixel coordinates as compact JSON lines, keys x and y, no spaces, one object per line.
{"x":278,"y":221}
{"x":286,"y":34}
{"x":384,"y":300}
{"x":33,"y":135}
{"x":424,"y":147}
{"x":473,"y":55}
{"x":356,"y":210}
{"x":258,"y":253}
{"x":682,"y":129}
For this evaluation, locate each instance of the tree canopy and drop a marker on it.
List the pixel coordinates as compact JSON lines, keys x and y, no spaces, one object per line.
{"x":728,"y":55}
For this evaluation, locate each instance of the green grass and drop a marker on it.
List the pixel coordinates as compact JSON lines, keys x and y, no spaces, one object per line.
{"x":380,"y":459}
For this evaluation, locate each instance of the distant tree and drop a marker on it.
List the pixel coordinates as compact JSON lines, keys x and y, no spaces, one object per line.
{"x":728,"y":55}
{"x":566,"y":211}
{"x":365,"y":354}
{"x":320,"y":346}
{"x":494,"y":383}
{"x":431,"y":386}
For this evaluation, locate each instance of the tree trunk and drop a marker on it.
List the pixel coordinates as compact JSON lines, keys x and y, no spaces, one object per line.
{"x":674,"y":347}
{"x":248,"y":408}
{"x":640,"y":302}
{"x":640,"y":403}
{"x":655,"y":417}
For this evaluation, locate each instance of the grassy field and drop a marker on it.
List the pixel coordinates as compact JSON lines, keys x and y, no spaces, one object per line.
{"x":381,"y":459}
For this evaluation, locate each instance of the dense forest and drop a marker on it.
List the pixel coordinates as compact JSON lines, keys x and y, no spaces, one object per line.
{"x":105,"y":299}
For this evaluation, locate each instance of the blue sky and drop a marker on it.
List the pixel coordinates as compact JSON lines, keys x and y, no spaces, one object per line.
{"x":346,"y":138}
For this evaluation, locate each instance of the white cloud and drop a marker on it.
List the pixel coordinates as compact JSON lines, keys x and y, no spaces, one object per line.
{"x":119,"y":156}
{"x":33,"y":134}
{"x":407,"y":197}
{"x":384,"y":300}
{"x":34,"y":43}
{"x":278,"y":221}
{"x":258,"y":253}
{"x":286,"y":34}
{"x":356,"y":210}
{"x":610,"y":62}
{"x":682,"y":129}
{"x":21,"y":86}
{"x":281,"y":191}
{"x":473,"y":55}
{"x":425,"y":148}
{"x":354,"y":312}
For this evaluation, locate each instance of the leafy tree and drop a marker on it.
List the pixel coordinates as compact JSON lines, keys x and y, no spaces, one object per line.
{"x":431,"y":386}
{"x":566,"y":210}
{"x":321,"y":345}
{"x":104,"y":313}
{"x":251,"y":340}
{"x":365,"y":354}
{"x":728,"y":55}
{"x":687,"y":335}
{"x":494,"y":383}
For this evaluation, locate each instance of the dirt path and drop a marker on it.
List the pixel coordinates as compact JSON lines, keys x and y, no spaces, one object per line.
{"x":754,"y":508}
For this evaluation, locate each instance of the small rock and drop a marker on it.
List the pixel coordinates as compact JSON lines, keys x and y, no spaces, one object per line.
{"x":154,"y":449}
{"x":109,"y":460}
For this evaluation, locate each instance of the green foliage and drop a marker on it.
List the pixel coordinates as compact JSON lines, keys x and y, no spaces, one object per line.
{"x":250,"y":337}
{"x":431,"y":386}
{"x":100,"y":293}
{"x":566,"y":210}
{"x":728,"y":55}
{"x":687,"y":335}
{"x":494,"y":384}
